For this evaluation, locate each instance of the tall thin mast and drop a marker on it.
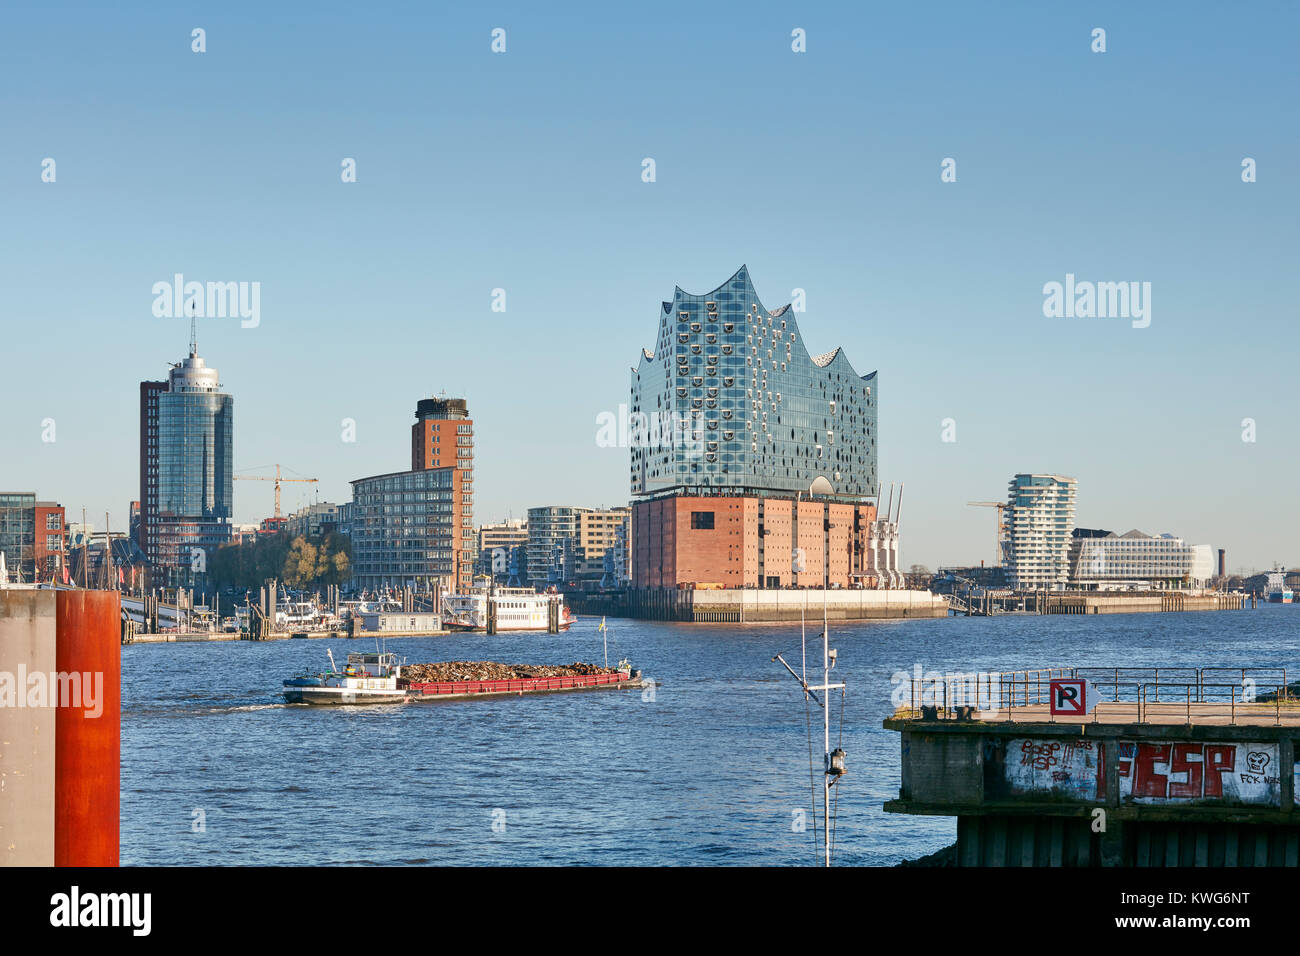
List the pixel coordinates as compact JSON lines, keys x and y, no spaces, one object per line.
{"x":832,"y":760}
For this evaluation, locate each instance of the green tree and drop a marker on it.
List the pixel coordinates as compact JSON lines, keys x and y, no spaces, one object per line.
{"x":300,"y":563}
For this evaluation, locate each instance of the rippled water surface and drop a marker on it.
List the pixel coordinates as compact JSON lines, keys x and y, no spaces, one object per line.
{"x":707,"y":772}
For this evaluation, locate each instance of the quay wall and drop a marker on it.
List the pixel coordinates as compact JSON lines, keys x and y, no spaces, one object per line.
{"x":756,"y":605}
{"x":1143,"y":602}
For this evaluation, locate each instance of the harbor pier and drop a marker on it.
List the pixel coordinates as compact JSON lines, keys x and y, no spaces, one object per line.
{"x":762,"y":605}
{"x":989,"y":602}
{"x":1192,"y":767}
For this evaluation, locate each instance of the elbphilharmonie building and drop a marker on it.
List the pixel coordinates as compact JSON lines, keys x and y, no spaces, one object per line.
{"x":753,"y":461}
{"x":732,"y":400}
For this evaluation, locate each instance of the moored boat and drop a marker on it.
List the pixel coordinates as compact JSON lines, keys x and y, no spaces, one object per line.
{"x":516,"y":609}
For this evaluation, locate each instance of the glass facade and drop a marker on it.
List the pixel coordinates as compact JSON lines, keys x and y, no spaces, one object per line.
{"x":731,"y":400}
{"x":195,"y":445}
{"x":551,"y":534}
{"x":405,"y":530}
{"x":194,"y":450}
{"x":18,"y":532}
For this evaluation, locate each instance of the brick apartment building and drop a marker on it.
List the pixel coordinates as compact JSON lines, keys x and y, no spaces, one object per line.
{"x":416,"y":528}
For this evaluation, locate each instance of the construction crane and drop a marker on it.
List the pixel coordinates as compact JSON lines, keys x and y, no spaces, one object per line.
{"x":277,"y":479}
{"x":1002,"y":527}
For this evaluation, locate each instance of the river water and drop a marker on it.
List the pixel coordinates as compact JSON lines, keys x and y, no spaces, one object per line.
{"x":711,"y":768}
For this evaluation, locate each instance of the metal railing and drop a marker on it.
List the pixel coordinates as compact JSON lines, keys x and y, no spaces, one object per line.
{"x":1202,"y":691}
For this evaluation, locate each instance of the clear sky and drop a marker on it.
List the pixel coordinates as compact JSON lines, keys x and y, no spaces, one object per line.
{"x":523,"y":171}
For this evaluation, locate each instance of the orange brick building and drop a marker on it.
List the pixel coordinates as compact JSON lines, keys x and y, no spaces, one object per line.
{"x":443,"y":437}
{"x":744,"y":541}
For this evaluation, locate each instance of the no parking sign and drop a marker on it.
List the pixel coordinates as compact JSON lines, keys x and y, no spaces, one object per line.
{"x":1072,"y":697}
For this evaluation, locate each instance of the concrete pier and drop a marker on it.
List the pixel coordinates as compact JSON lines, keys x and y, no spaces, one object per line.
{"x":1167,"y":774}
{"x":988,"y":604}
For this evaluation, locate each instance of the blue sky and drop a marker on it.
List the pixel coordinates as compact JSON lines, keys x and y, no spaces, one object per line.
{"x":522,"y":171}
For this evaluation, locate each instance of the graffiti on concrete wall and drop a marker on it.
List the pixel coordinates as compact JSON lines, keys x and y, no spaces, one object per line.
{"x":1055,"y":766}
{"x":1185,"y":772}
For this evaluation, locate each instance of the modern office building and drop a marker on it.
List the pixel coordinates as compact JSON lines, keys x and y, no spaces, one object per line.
{"x":404,"y":531}
{"x":1137,"y":561}
{"x":495,"y":542}
{"x":567,"y":545}
{"x":1039,"y":519}
{"x":32,"y":536}
{"x":416,"y":528}
{"x":186,"y":476}
{"x":551,"y":533}
{"x":599,"y":530}
{"x":752,"y":459}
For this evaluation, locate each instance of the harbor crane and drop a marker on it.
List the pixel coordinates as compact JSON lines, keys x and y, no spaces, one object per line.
{"x":277,"y":479}
{"x":1002,"y":526}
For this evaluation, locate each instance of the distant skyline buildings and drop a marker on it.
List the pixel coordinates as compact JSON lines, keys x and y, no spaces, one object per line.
{"x":416,"y":528}
{"x":33,"y":536}
{"x":568,"y":543}
{"x":847,"y":211}
{"x":1039,"y":518}
{"x":1136,"y":559}
{"x":186,"y":471}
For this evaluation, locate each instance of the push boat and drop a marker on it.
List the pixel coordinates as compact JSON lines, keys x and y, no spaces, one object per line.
{"x":376,"y":679}
{"x":366,"y":679}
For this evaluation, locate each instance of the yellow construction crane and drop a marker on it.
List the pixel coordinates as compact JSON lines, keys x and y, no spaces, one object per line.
{"x":1002,"y":527}
{"x":277,"y":479}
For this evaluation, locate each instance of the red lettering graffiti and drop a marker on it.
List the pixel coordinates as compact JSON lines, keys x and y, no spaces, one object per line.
{"x":1221,"y":759}
{"x":1146,"y":782}
{"x":1188,"y":759}
{"x":1039,"y":756}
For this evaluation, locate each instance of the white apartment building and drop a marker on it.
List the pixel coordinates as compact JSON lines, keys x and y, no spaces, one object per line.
{"x":1039,"y":519}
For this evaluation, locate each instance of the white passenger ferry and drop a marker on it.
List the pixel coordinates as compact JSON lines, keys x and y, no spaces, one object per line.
{"x":517,"y":609}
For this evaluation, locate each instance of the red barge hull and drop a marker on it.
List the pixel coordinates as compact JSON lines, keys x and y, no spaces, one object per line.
{"x":447,"y":690}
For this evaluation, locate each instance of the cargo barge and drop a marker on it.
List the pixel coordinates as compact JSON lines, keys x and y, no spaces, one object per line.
{"x":378,"y":678}
{"x":449,"y":690}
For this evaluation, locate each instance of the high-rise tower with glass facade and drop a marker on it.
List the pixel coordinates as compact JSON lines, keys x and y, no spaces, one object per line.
{"x":753,"y":460}
{"x":186,"y":473}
